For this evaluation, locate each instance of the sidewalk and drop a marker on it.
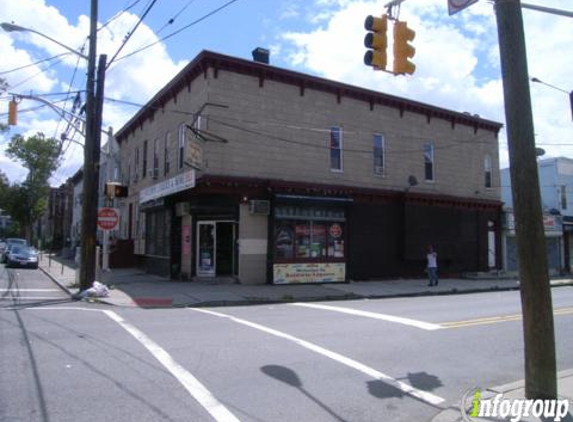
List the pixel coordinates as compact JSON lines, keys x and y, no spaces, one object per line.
{"x":133,"y":287}
{"x":513,"y":391}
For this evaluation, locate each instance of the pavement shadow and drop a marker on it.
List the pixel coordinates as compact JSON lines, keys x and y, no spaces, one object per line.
{"x":290,"y":377}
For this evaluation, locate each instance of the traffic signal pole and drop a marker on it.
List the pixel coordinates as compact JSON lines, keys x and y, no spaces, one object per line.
{"x":535,"y":289}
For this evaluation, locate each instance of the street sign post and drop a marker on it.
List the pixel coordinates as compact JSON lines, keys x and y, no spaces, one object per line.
{"x":107,"y":218}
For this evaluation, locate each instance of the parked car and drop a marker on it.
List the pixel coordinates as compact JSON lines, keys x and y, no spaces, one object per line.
{"x":9,"y":242}
{"x":22,"y":256}
{"x":2,"y":246}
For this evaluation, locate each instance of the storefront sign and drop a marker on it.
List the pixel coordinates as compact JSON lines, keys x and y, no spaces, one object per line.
{"x":334,"y":272}
{"x":178,"y":183}
{"x":194,"y":155}
{"x":550,"y":222}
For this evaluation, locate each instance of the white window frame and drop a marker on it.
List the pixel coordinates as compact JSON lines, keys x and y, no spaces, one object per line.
{"x":181,"y":146}
{"x":331,"y":149}
{"x":379,"y":170}
{"x":429,"y":147}
{"x":488,"y":171}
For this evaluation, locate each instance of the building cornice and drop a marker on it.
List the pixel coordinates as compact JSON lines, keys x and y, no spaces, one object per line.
{"x":218,"y":62}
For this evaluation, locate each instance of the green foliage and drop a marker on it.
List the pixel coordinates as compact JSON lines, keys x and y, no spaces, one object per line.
{"x":26,"y":202}
{"x":3,"y":88}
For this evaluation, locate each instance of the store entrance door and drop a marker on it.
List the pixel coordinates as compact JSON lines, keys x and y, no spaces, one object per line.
{"x":216,"y":248}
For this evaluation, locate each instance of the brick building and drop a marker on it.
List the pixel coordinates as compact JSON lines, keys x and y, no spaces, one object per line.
{"x":239,"y":168}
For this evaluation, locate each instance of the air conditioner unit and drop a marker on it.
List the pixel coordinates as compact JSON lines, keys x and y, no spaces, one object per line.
{"x":259,"y":207}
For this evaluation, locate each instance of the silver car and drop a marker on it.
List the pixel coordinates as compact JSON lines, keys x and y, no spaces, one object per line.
{"x":10,"y":242}
{"x":22,"y":256}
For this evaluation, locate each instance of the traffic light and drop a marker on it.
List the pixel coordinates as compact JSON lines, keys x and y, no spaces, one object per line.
{"x":115,"y":190}
{"x":12,"y":113}
{"x":377,"y":41}
{"x":403,"y":50}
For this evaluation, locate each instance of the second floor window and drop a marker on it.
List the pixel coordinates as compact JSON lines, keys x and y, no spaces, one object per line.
{"x":378,"y":150}
{"x":136,"y":175}
{"x":336,"y":148}
{"x":181,"y":146}
{"x":155,"y":158}
{"x":429,"y":161}
{"x":144,"y":160}
{"x":167,"y":150}
{"x":487,"y":171}
{"x":563,"y":197}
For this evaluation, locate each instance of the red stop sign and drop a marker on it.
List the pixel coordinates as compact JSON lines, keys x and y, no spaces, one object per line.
{"x":107,"y":218}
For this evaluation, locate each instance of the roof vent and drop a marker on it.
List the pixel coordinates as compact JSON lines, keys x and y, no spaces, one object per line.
{"x":261,"y":55}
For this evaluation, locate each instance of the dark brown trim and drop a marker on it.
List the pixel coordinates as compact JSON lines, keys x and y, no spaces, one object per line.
{"x":264,"y":187}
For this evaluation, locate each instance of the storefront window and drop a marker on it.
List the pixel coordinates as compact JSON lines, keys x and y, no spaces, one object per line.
{"x":284,"y":241}
{"x":309,"y":234}
{"x":157,"y":233}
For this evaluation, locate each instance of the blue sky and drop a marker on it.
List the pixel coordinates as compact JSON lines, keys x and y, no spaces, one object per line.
{"x":457,"y":57}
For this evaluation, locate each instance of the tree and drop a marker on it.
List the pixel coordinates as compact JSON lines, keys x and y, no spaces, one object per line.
{"x":3,"y":88}
{"x":26,"y":202}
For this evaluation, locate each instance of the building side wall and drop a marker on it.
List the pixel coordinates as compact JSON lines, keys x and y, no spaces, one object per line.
{"x":165,"y":122}
{"x":253,"y":244}
{"x":275,"y":132}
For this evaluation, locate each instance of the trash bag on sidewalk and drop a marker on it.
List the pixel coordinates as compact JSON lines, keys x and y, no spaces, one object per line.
{"x":97,"y":290}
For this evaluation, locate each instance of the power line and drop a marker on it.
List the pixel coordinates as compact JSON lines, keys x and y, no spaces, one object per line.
{"x":170,"y":21}
{"x":130,"y":33}
{"x":5,"y":72}
{"x":179,"y":30}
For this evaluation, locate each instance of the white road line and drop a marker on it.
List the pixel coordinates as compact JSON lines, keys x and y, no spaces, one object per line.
{"x":29,"y":290}
{"x":391,"y":318}
{"x":30,"y":297}
{"x":217,"y":410}
{"x":406,"y":388}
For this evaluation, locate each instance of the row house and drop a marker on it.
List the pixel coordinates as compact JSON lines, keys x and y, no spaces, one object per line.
{"x":241,"y":169}
{"x":556,"y":189}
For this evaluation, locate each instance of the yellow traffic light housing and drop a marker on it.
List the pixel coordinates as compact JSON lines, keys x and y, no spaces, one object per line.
{"x":376,"y":41}
{"x":12,"y":113}
{"x":403,"y":50}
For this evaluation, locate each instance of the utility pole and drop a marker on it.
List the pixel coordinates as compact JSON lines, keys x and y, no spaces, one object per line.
{"x":90,"y":182}
{"x":537,"y":307}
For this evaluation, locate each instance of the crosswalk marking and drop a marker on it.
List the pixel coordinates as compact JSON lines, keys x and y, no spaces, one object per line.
{"x":402,"y":386}
{"x":391,"y":318}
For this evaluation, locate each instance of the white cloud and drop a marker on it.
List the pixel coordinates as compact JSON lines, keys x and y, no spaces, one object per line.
{"x":457,"y":59}
{"x":135,"y":79}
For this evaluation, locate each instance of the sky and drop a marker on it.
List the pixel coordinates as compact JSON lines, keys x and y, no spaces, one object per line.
{"x":457,"y":58}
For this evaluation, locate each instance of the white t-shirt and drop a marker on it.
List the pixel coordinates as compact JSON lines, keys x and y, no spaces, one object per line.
{"x":432,"y":260}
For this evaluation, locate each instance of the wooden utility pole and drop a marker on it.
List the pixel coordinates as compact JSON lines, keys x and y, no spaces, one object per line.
{"x":537,"y":307}
{"x":90,"y":183}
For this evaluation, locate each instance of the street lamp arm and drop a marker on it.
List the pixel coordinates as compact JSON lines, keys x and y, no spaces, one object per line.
{"x":534,"y":79}
{"x":10,"y":27}
{"x":63,"y":113}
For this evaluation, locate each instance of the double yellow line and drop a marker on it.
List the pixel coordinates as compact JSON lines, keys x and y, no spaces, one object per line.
{"x":497,"y":319}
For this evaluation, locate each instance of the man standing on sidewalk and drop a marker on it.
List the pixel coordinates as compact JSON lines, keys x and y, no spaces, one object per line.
{"x":432,"y":258}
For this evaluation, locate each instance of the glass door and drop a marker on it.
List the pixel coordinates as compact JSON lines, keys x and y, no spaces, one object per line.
{"x":206,"y":240}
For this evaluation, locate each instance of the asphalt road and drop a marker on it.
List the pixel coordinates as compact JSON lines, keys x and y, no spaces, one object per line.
{"x":359,"y":361}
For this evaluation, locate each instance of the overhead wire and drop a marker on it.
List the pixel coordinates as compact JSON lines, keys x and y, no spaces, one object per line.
{"x":172,"y":20}
{"x":130,"y":33}
{"x":5,"y":72}
{"x":195,"y":22}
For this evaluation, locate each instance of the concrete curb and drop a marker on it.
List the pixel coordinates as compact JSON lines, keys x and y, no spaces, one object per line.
{"x":453,"y":412}
{"x":55,"y":280}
